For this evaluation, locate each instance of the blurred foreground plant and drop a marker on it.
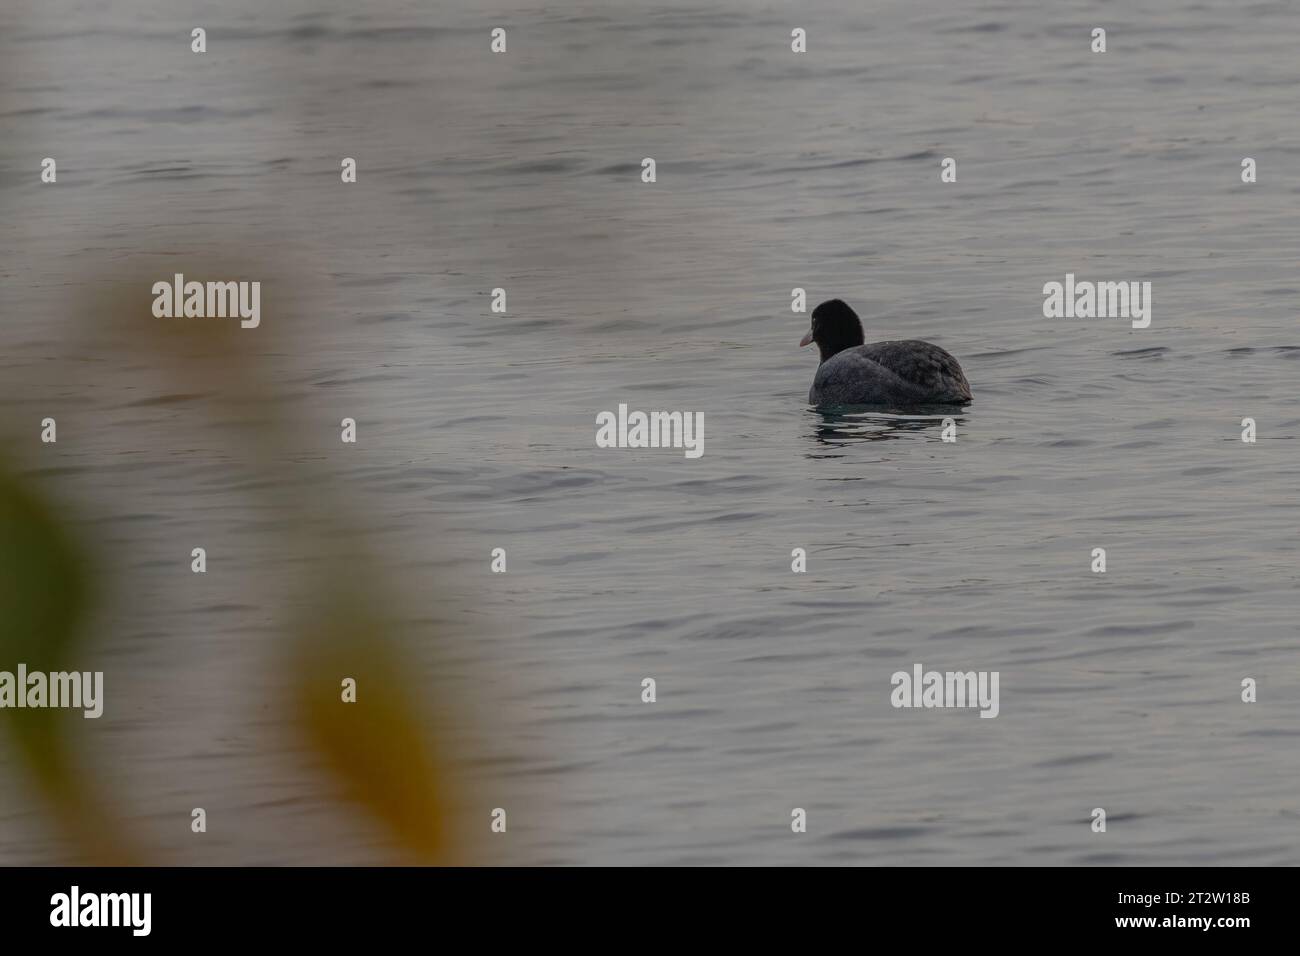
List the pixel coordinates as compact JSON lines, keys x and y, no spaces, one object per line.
{"x":380,"y":750}
{"x":45,"y":598}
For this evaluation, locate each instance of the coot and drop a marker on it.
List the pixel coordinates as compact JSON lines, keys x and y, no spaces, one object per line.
{"x":910,"y":372}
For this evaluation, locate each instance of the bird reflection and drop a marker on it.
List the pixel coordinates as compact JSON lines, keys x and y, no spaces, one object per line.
{"x":841,"y":425}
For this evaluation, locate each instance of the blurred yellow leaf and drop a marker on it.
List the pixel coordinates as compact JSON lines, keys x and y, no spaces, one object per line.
{"x":379,"y":747}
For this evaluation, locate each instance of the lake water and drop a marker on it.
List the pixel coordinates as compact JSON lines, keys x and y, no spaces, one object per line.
{"x":476,"y":430}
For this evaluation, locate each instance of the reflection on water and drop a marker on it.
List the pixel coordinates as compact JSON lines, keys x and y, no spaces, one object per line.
{"x":841,"y":425}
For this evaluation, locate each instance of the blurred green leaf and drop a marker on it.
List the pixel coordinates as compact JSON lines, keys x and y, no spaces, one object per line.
{"x":45,"y":597}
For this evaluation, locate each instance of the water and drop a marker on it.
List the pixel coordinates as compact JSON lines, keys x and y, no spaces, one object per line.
{"x":774,"y":171}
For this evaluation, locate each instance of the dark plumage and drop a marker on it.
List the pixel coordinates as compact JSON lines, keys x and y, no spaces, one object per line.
{"x":882,"y":373}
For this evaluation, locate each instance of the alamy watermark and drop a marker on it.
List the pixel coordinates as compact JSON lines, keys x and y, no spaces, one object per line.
{"x":635,"y":429}
{"x":1098,"y":300}
{"x":922,"y":688}
{"x":213,"y":300}
{"x":75,"y":908}
{"x":58,"y":689}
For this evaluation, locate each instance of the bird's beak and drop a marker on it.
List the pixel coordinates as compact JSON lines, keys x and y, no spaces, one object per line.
{"x":806,"y":340}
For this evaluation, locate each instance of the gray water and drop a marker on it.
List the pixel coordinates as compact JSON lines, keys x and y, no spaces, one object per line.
{"x":775,"y":170}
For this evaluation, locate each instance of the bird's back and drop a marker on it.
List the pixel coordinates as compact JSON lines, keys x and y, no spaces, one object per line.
{"x":906,"y":372}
